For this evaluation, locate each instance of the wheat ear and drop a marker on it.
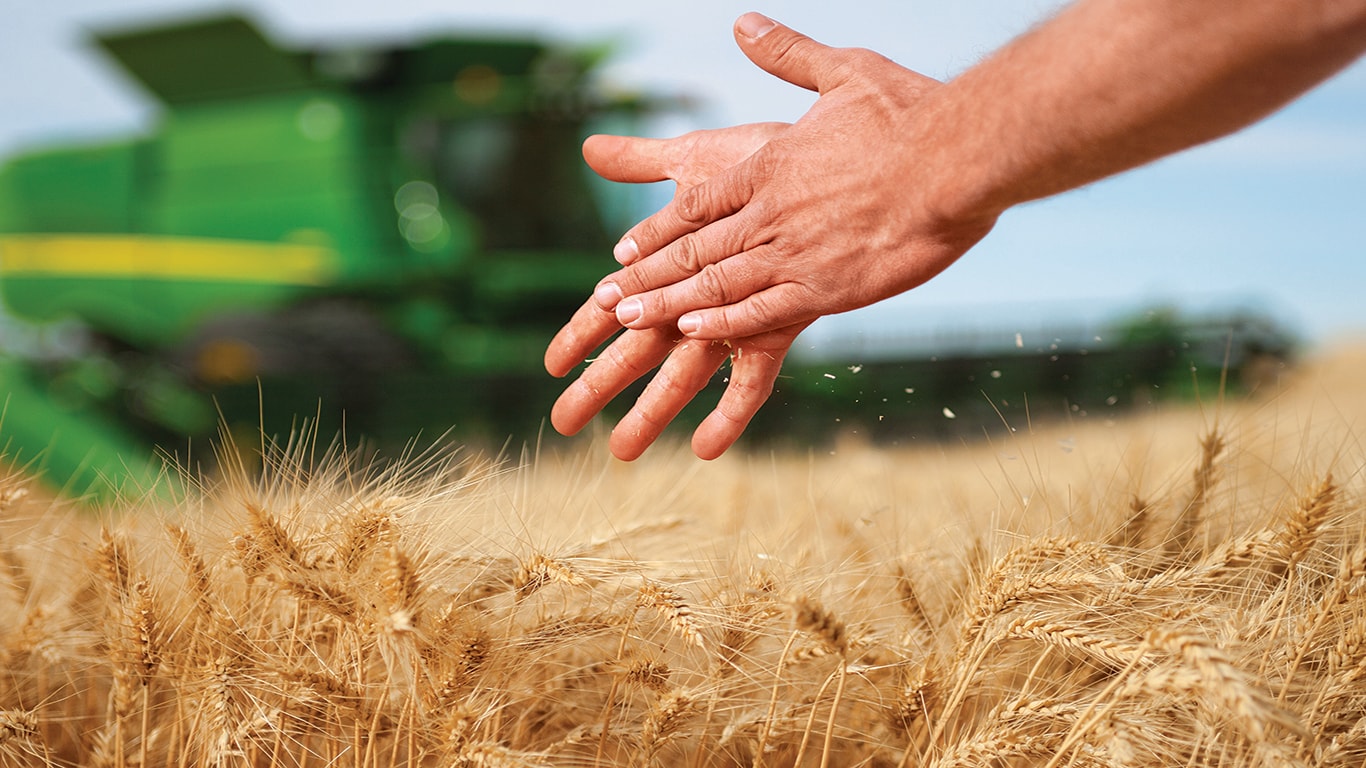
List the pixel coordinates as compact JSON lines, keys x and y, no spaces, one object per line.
{"x":1182,"y":546}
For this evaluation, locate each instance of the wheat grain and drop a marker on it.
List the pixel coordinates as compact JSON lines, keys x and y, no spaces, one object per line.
{"x":200,"y":577}
{"x":363,"y":531}
{"x":1182,"y":544}
{"x":540,"y":570}
{"x":276,"y":545}
{"x":1109,"y":651}
{"x":1302,"y":526}
{"x":647,"y":673}
{"x":1224,"y":681}
{"x":17,"y":726}
{"x":665,"y":720}
{"x":668,"y":603}
{"x":114,"y":561}
{"x":401,"y":589}
{"x":812,"y":617}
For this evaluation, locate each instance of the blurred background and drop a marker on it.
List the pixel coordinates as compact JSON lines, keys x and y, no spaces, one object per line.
{"x":373,"y":216}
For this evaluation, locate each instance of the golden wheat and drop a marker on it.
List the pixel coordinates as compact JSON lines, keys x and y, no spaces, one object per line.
{"x":1160,"y":592}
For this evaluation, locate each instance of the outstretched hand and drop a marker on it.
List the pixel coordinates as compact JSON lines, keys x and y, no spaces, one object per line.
{"x":831,"y":215}
{"x":687,"y":365}
{"x":771,"y":227}
{"x":891,"y":176}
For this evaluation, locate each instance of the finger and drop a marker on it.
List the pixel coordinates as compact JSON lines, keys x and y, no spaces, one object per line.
{"x":709,"y":152}
{"x":754,"y":369}
{"x":632,"y":355}
{"x":687,"y":371}
{"x":630,"y":159}
{"x":587,"y":330}
{"x":788,"y":54}
{"x":718,"y":244}
{"x":759,"y":312}
{"x":693,"y":208}
{"x":688,"y":159}
{"x":714,"y":285}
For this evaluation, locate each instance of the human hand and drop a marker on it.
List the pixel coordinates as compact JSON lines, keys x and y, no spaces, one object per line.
{"x":689,"y":365}
{"x":835,"y":213}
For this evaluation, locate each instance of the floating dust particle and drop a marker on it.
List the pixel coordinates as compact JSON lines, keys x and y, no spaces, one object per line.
{"x":995,"y":374}
{"x":949,"y":414}
{"x":829,"y":375}
{"x":1019,"y":341}
{"x":855,"y":368}
{"x":910,"y":390}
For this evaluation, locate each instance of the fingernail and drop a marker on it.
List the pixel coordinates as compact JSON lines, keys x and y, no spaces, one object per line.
{"x":690,"y":323}
{"x":626,"y":251}
{"x":607,"y":295}
{"x":629,"y":311}
{"x":755,"y":25}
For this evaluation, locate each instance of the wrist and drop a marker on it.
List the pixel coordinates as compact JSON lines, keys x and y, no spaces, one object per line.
{"x":953,"y":184}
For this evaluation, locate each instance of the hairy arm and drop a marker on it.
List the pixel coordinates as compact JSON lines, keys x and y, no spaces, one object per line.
{"x":1108,"y":85}
{"x":890,"y":179}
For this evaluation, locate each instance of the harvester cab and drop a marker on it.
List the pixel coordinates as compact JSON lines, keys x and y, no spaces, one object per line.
{"x":390,"y":232}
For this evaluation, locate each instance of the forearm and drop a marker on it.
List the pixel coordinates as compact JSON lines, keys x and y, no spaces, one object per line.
{"x":1108,"y":85}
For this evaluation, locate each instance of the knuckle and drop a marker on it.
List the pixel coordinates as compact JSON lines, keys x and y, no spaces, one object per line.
{"x":665,"y":386}
{"x":787,"y":48}
{"x":618,"y":359}
{"x":646,"y":414}
{"x":577,"y":397}
{"x":658,"y":305}
{"x":858,"y":60}
{"x":688,"y":255}
{"x":750,"y":391}
{"x":693,"y":205}
{"x":856,"y":64}
{"x":629,"y":281}
{"x":743,"y":398}
{"x":653,"y":424}
{"x":764,"y":163}
{"x":662,"y":385}
{"x":713,"y":284}
{"x":760,"y":310}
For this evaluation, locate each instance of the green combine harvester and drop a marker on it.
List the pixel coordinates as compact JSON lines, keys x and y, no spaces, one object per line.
{"x":380,"y":239}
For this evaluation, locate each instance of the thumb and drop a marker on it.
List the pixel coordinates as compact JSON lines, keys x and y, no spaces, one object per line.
{"x":786,"y":53}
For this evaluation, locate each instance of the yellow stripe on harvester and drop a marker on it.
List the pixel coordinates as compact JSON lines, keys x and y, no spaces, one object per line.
{"x":164,"y":258}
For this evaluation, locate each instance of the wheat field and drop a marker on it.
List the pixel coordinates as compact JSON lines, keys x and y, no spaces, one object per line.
{"x":1184,"y":587}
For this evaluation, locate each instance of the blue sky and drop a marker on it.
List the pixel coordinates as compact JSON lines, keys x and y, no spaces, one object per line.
{"x":1273,"y":218}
